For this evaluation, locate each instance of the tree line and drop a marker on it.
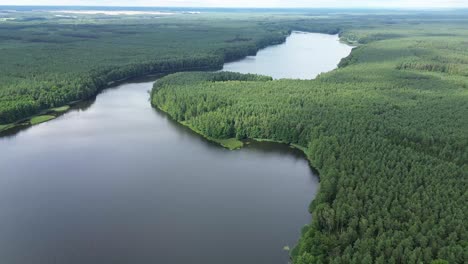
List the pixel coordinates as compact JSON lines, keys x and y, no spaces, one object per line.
{"x":54,"y":63}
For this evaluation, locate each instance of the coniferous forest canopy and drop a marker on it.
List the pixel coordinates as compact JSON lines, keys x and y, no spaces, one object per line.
{"x":387,"y":130}
{"x":48,"y":61}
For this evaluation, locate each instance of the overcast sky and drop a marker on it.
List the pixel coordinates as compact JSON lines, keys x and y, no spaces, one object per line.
{"x":251,"y":3}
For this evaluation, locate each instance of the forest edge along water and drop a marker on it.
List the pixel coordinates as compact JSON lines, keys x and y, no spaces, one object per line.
{"x":104,"y":183}
{"x":295,"y":68}
{"x":266,"y":62}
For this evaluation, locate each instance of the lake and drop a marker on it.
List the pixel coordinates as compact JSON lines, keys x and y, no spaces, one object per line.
{"x":116,"y":181}
{"x":302,"y":56}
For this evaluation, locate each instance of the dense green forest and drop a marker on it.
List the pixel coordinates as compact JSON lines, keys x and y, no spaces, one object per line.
{"x":52,"y":61}
{"x":387,"y":132}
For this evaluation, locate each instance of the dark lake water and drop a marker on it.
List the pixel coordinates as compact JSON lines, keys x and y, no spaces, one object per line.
{"x":115,"y":181}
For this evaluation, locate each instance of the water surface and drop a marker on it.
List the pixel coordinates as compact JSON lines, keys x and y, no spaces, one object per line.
{"x":115,"y":181}
{"x":302,"y":56}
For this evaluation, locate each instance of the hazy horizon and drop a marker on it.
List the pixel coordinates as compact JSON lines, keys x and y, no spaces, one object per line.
{"x":362,"y":4}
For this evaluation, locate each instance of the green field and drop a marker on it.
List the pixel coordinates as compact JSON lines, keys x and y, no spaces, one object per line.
{"x":61,"y":109}
{"x":41,"y":119}
{"x":387,"y":132}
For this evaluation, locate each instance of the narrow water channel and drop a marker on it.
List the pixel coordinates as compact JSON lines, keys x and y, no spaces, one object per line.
{"x":115,"y":181}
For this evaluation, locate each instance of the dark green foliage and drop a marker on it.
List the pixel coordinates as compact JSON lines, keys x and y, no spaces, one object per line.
{"x":190,"y":78}
{"x":390,"y":143}
{"x":52,"y":63}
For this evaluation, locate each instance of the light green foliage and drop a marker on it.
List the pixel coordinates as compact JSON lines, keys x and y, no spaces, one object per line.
{"x":6,"y":126}
{"x":439,"y":261}
{"x":61,"y":109}
{"x":230,"y":143}
{"x":388,"y":136}
{"x":40,"y":119}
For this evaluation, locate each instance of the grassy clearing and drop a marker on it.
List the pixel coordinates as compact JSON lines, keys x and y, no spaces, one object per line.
{"x":61,"y":109}
{"x":6,"y":126}
{"x":230,"y":143}
{"x":40,"y":119}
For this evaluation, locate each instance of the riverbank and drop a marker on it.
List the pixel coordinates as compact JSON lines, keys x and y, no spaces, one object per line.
{"x":237,"y":144}
{"x":228,"y":143}
{"x":97,"y":54}
{"x":206,"y":63}
{"x":41,"y":117}
{"x":125,"y":155}
{"x":227,"y":56}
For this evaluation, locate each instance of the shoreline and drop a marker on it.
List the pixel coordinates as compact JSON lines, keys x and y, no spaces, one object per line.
{"x":112,"y":83}
{"x":239,"y":144}
{"x":57,"y":111}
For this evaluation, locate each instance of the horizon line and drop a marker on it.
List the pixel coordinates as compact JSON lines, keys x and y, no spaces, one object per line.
{"x":253,"y":7}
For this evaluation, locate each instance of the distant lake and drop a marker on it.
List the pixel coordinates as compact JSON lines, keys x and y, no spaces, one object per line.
{"x":116,"y":181}
{"x":302,"y":56}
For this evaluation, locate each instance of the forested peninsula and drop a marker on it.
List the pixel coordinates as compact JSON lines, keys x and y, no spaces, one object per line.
{"x":387,"y":132}
{"x":51,"y":63}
